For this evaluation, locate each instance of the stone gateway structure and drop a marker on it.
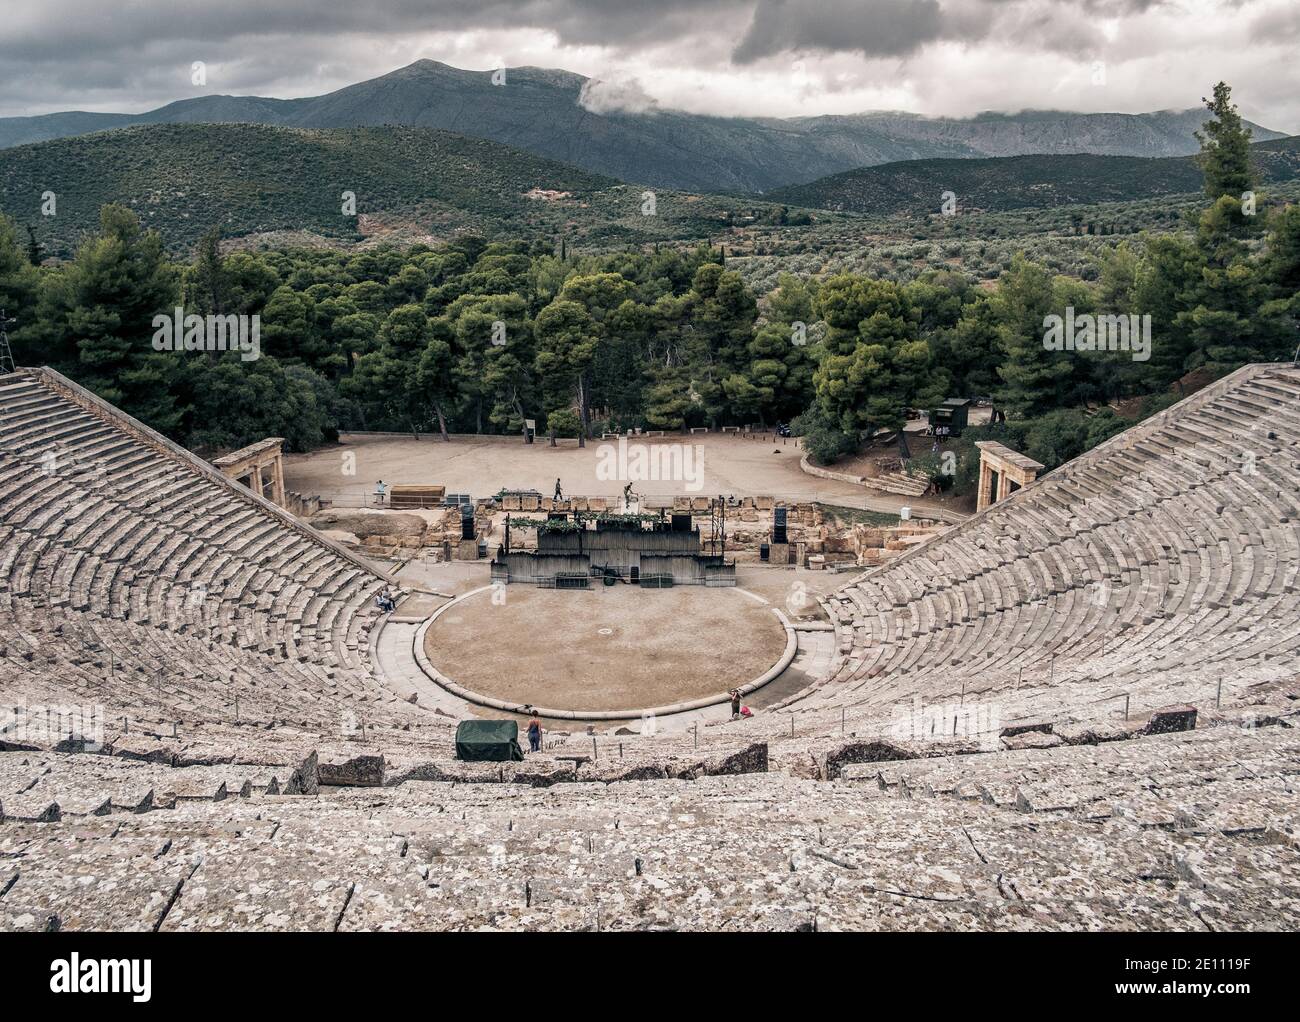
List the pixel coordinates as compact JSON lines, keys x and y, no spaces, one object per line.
{"x":1075,"y":710}
{"x":258,"y":466}
{"x":1002,"y":472}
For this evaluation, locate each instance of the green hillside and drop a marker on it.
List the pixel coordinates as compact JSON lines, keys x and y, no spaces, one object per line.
{"x":287,"y":184}
{"x":1021,"y":182}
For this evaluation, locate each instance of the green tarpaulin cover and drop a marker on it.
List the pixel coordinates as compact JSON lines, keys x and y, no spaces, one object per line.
{"x":488,"y":741}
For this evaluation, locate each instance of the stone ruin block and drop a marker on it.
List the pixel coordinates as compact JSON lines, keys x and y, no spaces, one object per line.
{"x":877,"y":751}
{"x":548,"y":503}
{"x":880,"y":750}
{"x":765,"y":503}
{"x":450,"y":772}
{"x":539,"y":776}
{"x":358,"y":772}
{"x":1032,"y":740}
{"x":306,"y":779}
{"x":752,"y":759}
{"x":699,"y":504}
{"x":613,"y":770}
{"x":529,"y":503}
{"x":578,"y":503}
{"x":1170,"y":719}
{"x":596,"y":503}
{"x":510,"y":503}
{"x":1045,"y":727}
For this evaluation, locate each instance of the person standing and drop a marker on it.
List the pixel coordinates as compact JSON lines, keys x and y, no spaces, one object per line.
{"x":735,"y":704}
{"x":380,"y":488}
{"x":534,"y":733}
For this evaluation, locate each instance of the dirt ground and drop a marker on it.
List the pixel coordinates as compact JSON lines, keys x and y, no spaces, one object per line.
{"x":607,"y":648}
{"x":482,"y":466}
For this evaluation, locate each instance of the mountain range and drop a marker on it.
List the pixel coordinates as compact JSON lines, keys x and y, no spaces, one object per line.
{"x":1023,"y":182}
{"x":567,"y":117}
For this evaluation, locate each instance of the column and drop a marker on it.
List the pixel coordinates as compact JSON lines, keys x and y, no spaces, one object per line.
{"x":278,"y":486}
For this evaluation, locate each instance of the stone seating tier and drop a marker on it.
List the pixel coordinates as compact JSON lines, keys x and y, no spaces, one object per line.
{"x":1139,"y":835}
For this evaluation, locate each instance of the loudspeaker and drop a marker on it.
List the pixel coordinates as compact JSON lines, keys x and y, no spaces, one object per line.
{"x":467,"y":521}
{"x":681,"y":523}
{"x":778,"y":525}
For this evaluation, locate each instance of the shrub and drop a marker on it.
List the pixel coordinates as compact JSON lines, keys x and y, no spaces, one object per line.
{"x":563,"y":422}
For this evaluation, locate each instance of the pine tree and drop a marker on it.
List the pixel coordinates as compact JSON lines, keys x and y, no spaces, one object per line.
{"x":876,"y":366}
{"x":118,"y":282}
{"x":1033,"y":378}
{"x":19,"y":281}
{"x":33,"y":247}
{"x":1225,"y":147}
{"x":566,"y":348}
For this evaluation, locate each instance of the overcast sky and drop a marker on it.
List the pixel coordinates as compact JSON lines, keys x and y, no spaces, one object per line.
{"x":753,"y":57}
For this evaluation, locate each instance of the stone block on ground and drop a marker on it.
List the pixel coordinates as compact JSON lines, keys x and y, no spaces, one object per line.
{"x":1032,"y":740}
{"x":358,"y":772}
{"x":306,"y":779}
{"x":1172,"y":718}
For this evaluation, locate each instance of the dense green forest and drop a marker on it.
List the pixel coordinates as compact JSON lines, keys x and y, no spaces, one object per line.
{"x":476,"y":336}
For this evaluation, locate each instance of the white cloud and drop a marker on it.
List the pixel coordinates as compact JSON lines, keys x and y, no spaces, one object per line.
{"x":620,"y":95}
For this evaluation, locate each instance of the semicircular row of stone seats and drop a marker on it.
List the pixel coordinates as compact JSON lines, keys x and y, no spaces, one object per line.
{"x":1194,"y":831}
{"x":1144,"y":573}
{"x":131,"y":575}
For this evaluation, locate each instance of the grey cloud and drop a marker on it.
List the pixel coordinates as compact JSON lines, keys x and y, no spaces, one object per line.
{"x":132,"y":55}
{"x":68,"y":29}
{"x":1280,"y":22}
{"x":80,"y":52}
{"x":882,"y":28}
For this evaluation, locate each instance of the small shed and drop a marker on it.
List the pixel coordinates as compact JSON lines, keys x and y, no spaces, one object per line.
{"x":949,"y":418}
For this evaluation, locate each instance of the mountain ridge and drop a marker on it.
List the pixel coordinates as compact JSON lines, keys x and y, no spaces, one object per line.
{"x":1023,"y":182}
{"x":542,"y":111}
